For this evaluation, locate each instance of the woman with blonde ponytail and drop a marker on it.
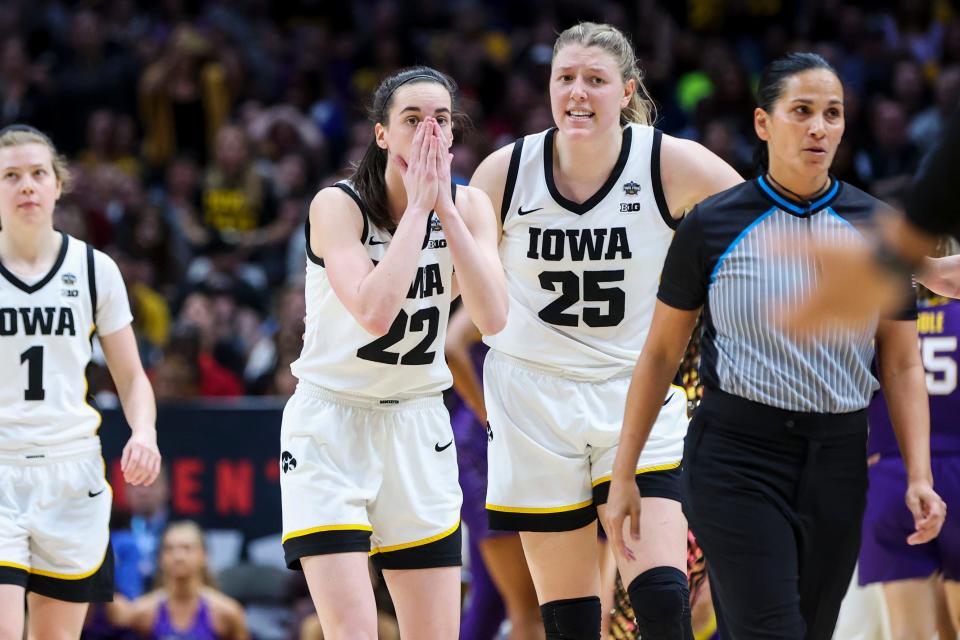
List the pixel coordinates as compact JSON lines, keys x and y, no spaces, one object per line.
{"x":587,"y":211}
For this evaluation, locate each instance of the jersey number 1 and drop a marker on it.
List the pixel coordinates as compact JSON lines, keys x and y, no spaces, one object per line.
{"x":427,"y":318}
{"x":34,"y":359}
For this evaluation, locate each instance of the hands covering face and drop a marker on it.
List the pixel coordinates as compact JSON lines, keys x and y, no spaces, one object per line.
{"x":426,"y":173}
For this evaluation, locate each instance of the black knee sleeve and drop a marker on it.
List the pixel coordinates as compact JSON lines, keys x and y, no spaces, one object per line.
{"x":573,"y":619}
{"x":661,"y":602}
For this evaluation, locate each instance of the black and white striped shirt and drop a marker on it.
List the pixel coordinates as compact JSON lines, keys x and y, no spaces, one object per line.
{"x":731,"y":256}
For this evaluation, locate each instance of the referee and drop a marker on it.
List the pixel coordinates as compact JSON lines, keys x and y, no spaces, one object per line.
{"x":775,"y":471}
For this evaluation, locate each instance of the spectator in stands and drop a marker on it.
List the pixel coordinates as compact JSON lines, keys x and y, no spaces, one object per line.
{"x":185,"y":603}
{"x":184,"y":99}
{"x":135,"y":548}
{"x":198,"y":339}
{"x":21,"y":82}
{"x":927,"y":127}
{"x":889,"y":158}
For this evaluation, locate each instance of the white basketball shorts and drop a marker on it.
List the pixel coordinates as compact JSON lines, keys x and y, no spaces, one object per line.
{"x":376,"y":476}
{"x":553,"y":441}
{"x":54,"y":522}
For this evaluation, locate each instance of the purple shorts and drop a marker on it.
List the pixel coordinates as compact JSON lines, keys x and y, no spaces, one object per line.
{"x":885,"y":555}
{"x":471,"y":437}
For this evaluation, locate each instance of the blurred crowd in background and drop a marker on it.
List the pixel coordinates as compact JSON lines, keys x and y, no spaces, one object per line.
{"x":200,"y":130}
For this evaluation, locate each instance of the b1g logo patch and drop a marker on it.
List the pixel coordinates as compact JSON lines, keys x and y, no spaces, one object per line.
{"x":629,"y":207}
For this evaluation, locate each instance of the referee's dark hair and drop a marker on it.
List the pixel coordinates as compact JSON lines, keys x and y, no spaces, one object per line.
{"x":770,"y":89}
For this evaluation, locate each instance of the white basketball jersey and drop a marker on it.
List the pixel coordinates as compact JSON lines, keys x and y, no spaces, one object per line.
{"x":582,"y":278}
{"x":46,"y":329}
{"x":338,"y":354}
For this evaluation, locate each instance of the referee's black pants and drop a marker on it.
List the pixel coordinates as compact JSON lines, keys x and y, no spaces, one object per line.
{"x":776,"y":500}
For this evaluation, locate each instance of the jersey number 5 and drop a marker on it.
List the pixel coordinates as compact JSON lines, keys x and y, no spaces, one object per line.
{"x":592,"y":292}
{"x":938,"y":352}
{"x":34,"y":359}
{"x":427,"y":318}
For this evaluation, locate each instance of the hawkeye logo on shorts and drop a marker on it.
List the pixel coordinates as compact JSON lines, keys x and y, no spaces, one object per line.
{"x":287,"y":461}
{"x":631,"y":188}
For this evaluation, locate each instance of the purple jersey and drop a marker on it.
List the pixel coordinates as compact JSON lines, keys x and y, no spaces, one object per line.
{"x":200,"y":629}
{"x":939,"y":327}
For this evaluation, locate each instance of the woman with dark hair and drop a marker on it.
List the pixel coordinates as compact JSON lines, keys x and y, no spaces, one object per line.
{"x":775,"y":474}
{"x":368,"y":462}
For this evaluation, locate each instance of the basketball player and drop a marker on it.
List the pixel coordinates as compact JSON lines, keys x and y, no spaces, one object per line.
{"x":587,"y":211}
{"x":368,"y":461}
{"x":912,"y":575}
{"x":55,"y":293}
{"x":185,"y":605}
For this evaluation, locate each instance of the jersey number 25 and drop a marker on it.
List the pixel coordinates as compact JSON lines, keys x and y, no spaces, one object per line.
{"x":570,"y":294}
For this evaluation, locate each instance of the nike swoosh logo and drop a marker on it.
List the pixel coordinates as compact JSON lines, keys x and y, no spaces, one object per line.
{"x":521,"y":212}
{"x":94,"y":495}
{"x":374,"y":243}
{"x":669,"y":398}
{"x":438,"y":448}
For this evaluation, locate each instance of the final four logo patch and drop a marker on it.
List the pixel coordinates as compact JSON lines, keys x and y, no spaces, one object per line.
{"x":69,"y":279}
{"x":631,"y":188}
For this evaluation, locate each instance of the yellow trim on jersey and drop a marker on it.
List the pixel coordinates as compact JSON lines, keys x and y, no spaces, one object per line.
{"x":657,"y":467}
{"x":571,"y":507}
{"x":329,"y":527}
{"x":417,"y":543}
{"x":53,"y":574}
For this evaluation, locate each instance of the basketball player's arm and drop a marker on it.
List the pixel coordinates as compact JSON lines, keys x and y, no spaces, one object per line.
{"x":491,"y":178}
{"x":690,"y":173}
{"x":669,"y":334}
{"x":138,"y":614}
{"x":903,"y":380}
{"x":472,"y":238}
{"x":941,"y":276}
{"x":461,"y":334}
{"x":140,"y":461}
{"x":373,"y":294}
